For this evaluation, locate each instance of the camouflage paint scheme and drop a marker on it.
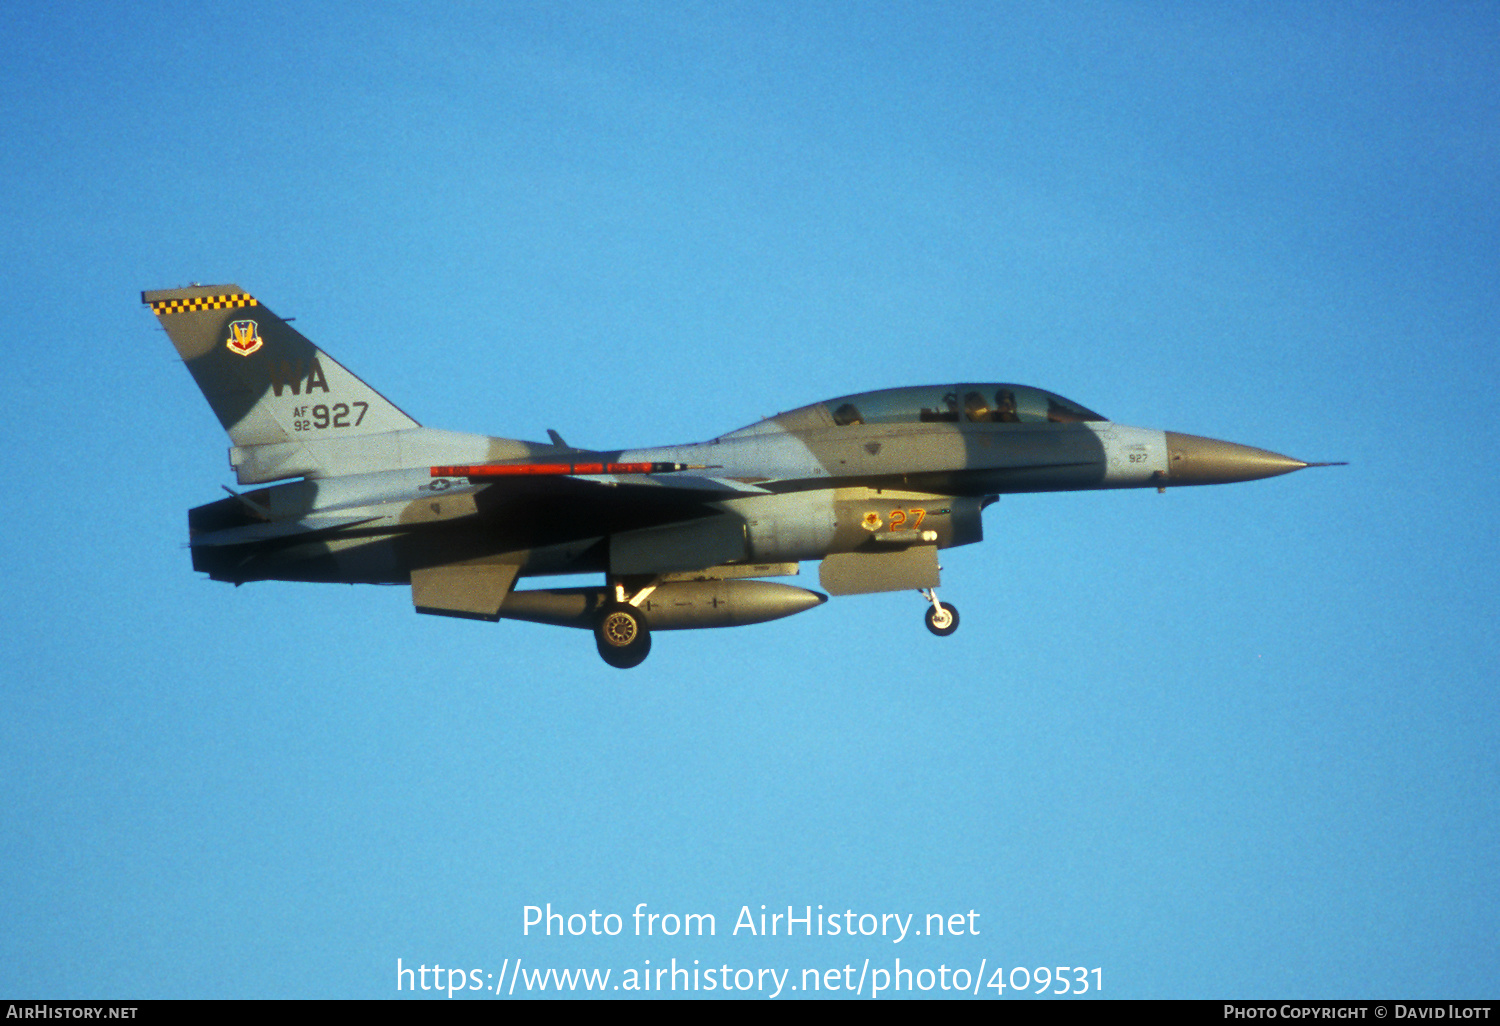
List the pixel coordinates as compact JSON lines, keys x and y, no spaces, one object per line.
{"x":872,"y":485}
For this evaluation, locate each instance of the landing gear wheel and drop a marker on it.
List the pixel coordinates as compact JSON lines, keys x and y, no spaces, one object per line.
{"x":942,"y":621}
{"x":622,"y":636}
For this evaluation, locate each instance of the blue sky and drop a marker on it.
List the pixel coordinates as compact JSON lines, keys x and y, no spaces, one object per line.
{"x":1228,"y":741}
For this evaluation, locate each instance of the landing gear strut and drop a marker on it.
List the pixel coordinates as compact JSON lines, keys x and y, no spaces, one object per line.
{"x":621,"y":633}
{"x":942,"y":618}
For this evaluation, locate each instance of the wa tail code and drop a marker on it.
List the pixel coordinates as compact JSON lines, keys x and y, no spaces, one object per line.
{"x":288,"y":374}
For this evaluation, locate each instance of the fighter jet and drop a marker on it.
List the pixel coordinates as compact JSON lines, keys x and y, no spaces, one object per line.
{"x":872,"y":485}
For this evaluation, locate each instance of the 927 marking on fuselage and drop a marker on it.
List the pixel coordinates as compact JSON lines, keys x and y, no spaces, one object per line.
{"x":322,"y":416}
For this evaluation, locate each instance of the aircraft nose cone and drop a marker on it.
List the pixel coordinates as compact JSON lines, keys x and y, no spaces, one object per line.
{"x":1192,"y":460}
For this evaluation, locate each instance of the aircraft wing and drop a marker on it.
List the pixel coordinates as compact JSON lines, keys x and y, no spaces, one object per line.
{"x":515,"y":511}
{"x":633,"y":475}
{"x":525,"y":512}
{"x":531,"y":504}
{"x":703,"y":489}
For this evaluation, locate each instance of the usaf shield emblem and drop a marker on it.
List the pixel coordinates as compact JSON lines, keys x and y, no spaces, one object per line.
{"x":244,"y":339}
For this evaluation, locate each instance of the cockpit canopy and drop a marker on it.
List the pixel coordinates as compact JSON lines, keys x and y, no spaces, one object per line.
{"x":995,"y":403}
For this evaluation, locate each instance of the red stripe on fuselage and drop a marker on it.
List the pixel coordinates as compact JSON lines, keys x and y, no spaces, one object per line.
{"x":543,"y":469}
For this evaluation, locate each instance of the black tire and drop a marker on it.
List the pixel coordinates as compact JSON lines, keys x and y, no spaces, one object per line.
{"x":937,"y":626}
{"x":622,"y":636}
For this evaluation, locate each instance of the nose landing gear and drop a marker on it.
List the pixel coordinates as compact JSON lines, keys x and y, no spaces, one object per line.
{"x":942,"y":618}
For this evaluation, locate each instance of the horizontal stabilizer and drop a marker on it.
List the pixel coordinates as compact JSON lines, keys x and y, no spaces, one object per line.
{"x":474,"y":591}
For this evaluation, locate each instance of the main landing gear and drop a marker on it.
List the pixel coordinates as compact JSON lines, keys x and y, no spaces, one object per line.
{"x":623,"y":638}
{"x":621,"y":633}
{"x":942,"y":618}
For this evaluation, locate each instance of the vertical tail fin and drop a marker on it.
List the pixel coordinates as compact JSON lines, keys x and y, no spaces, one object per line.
{"x":266,"y":382}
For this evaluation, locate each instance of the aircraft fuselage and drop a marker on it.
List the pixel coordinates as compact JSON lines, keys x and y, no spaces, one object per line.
{"x":871,"y":485}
